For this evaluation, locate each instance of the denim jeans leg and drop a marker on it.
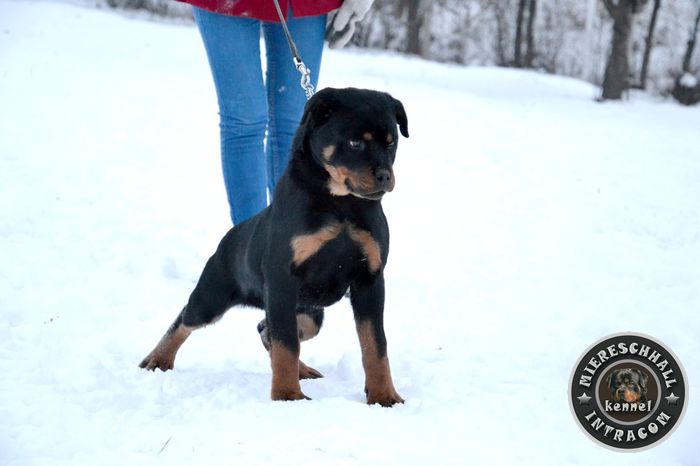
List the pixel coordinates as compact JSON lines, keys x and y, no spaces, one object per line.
{"x":286,"y":98}
{"x":233,"y":49}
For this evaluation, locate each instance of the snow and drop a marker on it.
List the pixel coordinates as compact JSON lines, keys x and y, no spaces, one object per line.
{"x":528,"y":221}
{"x":688,"y":80}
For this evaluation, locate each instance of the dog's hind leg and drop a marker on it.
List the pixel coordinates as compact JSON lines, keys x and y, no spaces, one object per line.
{"x":163,"y":355}
{"x":211,"y":298}
{"x":309,"y":321}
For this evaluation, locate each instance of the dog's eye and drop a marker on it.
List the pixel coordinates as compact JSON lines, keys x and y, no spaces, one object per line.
{"x":355,"y":144}
{"x":391,"y":144}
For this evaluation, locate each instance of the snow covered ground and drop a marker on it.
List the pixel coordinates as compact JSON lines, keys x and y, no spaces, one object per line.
{"x":528,"y":221}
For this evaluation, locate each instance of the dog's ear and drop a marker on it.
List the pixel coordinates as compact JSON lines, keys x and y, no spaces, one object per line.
{"x":319,"y":108}
{"x":317,"y":111}
{"x":642,"y":379}
{"x":401,"y":117}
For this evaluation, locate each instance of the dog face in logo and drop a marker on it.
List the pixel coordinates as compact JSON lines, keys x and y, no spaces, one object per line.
{"x":628,"y":385}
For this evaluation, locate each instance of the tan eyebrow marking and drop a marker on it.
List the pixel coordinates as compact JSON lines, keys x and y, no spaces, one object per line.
{"x":389,"y":138}
{"x":367,"y":136}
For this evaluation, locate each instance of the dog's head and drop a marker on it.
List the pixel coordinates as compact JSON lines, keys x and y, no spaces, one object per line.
{"x":628,"y":385}
{"x":352,"y":134}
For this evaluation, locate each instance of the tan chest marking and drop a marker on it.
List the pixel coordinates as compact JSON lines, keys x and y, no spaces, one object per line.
{"x":370,"y":248}
{"x":305,"y":246}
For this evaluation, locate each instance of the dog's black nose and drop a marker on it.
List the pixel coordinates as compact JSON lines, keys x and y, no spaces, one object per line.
{"x":383,"y":176}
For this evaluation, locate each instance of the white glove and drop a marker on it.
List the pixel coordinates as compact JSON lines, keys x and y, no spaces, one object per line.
{"x":341,"y":26}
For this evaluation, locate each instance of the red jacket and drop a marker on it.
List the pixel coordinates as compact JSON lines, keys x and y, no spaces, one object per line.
{"x":265,"y":9}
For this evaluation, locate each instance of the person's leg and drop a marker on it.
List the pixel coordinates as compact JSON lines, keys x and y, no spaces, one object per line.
{"x":286,"y":98}
{"x":233,"y":49}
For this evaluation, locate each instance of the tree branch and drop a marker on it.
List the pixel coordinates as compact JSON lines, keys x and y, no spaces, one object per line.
{"x":612,"y":7}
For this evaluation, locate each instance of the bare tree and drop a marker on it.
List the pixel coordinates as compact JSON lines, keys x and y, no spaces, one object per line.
{"x":518,"y":60}
{"x":616,"y":80}
{"x":530,"y":35}
{"x":648,"y":45}
{"x":517,"y":55}
{"x":414,"y":23}
{"x":687,"y":88}
{"x":499,"y":10}
{"x":691,"y":42}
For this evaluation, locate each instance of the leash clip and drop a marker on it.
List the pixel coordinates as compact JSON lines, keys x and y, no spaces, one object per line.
{"x":305,"y":77}
{"x":301,"y":67}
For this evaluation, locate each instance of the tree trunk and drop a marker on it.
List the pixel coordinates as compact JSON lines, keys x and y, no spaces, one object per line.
{"x":615,"y":82}
{"x":501,"y":29}
{"x":648,"y":44}
{"x":415,"y":22}
{"x":691,"y":45}
{"x":517,"y":56}
{"x":589,"y":61}
{"x":530,"y":35}
{"x":687,"y":88}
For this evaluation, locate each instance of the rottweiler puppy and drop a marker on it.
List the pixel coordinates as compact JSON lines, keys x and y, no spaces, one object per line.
{"x":628,"y":385}
{"x":323,"y":235}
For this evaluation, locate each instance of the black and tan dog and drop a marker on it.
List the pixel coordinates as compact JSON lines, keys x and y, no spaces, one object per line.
{"x":324,"y":233}
{"x":628,"y":385}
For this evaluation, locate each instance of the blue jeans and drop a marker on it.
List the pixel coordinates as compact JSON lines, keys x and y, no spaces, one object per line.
{"x":249,"y":106}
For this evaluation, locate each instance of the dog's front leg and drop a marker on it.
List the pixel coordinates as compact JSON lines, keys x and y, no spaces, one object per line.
{"x":368,"y":307}
{"x":284,"y":340}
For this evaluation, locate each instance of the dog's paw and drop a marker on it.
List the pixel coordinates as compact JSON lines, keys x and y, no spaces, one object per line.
{"x":288,"y":395}
{"x":387,"y":398}
{"x":158,"y":361}
{"x":306,"y":372}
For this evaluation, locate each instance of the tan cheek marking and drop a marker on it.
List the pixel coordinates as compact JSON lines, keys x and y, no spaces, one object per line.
{"x":631,"y":397}
{"x":305,"y":246}
{"x":370,"y":248}
{"x":328,"y":152}
{"x":364,"y":180}
{"x":389,"y":138}
{"x":337,"y":185}
{"x":367,"y":136}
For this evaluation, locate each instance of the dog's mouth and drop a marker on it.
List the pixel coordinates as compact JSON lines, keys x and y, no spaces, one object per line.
{"x":344,"y":181}
{"x":626,"y":395}
{"x":375,"y":196}
{"x":371,"y":195}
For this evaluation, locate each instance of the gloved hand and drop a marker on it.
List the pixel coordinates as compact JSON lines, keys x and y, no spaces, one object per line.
{"x":341,"y":25}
